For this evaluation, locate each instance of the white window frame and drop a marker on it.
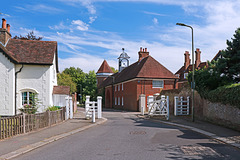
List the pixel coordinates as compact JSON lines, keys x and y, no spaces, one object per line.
{"x":122,"y":100}
{"x":154,"y":85}
{"x":119,"y":87}
{"x":122,"y":86}
{"x":177,"y":75}
{"x":115,"y":88}
{"x":185,"y":75}
{"x":28,"y":97}
{"x":118,"y":100}
{"x":115,"y":100}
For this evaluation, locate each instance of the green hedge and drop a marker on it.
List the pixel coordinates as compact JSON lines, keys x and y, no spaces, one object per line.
{"x":229,"y":94}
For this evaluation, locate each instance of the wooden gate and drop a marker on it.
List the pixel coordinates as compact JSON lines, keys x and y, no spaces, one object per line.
{"x":159,"y":107}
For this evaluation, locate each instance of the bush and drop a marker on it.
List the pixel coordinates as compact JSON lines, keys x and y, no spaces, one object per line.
{"x":53,"y":108}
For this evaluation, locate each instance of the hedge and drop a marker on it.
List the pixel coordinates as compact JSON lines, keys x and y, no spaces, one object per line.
{"x":229,"y":94}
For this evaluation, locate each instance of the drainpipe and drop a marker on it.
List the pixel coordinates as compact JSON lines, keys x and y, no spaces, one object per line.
{"x":16,"y":88}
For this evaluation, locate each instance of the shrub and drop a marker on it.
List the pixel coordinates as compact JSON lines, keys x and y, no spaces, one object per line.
{"x":53,"y":108}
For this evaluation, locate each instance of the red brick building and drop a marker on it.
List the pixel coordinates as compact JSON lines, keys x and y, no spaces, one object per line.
{"x":146,"y":76}
{"x":182,"y":73}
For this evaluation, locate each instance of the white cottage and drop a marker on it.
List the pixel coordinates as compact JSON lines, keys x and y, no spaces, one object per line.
{"x":26,"y":67}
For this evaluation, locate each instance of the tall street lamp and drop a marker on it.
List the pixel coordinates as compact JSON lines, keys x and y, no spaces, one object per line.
{"x":193,"y":84}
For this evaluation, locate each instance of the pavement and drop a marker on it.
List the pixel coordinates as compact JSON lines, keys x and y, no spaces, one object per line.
{"x":20,"y":144}
{"x":17,"y":145}
{"x":220,"y":133}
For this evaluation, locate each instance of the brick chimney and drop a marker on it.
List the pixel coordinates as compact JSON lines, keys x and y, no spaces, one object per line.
{"x":142,"y":53}
{"x":4,"y":32}
{"x":198,"y":57}
{"x":187,"y":59}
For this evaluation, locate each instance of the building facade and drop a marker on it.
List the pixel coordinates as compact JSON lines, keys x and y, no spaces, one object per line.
{"x":146,"y":76}
{"x":27,"y":68}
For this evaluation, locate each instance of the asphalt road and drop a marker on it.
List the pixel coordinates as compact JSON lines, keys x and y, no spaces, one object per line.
{"x":126,"y":137}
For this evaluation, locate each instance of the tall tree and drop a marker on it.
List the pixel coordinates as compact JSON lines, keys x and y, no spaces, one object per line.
{"x":29,"y":36}
{"x":229,"y":65}
{"x":114,"y":70}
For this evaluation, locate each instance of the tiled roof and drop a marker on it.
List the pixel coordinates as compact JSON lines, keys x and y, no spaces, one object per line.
{"x":61,"y":90}
{"x":32,"y":51}
{"x":104,"y":68}
{"x":147,"y":68}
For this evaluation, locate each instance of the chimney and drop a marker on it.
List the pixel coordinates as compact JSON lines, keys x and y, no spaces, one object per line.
{"x":142,"y":53}
{"x":4,"y":33}
{"x":4,"y":23}
{"x":187,"y":59}
{"x":8,"y":28}
{"x":198,"y":57}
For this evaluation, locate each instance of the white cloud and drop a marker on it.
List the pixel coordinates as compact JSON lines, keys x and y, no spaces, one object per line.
{"x":152,"y":13}
{"x":82,"y":26}
{"x":88,"y":4}
{"x":92,"y":19}
{"x":59,"y":26}
{"x":155,"y":21}
{"x":39,"y":8}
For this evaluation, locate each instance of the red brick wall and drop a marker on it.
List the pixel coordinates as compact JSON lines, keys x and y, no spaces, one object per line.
{"x":131,"y":91}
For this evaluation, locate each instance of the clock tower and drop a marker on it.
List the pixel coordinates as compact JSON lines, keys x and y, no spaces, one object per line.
{"x":123,"y":60}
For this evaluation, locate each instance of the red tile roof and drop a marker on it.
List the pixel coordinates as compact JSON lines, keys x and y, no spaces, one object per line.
{"x":147,"y":68}
{"x":104,"y":68}
{"x":32,"y":51}
{"x":61,"y":90}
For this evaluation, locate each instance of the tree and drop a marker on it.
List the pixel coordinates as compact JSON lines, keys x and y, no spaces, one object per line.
{"x":66,"y":80}
{"x":90,"y":85}
{"x":114,"y":70}
{"x":29,"y":36}
{"x":229,"y":65}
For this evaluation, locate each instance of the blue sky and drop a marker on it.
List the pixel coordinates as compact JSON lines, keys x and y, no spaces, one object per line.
{"x":89,"y":31}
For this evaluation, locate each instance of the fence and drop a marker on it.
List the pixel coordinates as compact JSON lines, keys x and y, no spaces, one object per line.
{"x":25,"y":123}
{"x":92,"y":107}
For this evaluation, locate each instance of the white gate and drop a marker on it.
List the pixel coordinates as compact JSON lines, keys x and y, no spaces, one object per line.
{"x":181,"y":107}
{"x":159,"y":107}
{"x":91,"y":108}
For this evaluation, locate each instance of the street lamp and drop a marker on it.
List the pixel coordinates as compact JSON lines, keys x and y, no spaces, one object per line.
{"x":193,"y":85}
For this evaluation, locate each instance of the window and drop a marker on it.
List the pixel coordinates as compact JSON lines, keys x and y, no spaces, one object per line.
{"x":119,"y":87}
{"x":115,"y":100}
{"x":185,"y":75}
{"x":157,"y":84}
{"x":115,"y":88}
{"x":27,"y":98}
{"x":177,"y":75}
{"x":118,"y":100}
{"x":122,"y":86}
{"x":122,"y":101}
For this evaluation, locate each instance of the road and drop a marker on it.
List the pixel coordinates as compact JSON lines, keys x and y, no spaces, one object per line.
{"x":127,"y":137}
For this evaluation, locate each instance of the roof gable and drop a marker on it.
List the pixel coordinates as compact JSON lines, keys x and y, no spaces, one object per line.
{"x":104,"y":68}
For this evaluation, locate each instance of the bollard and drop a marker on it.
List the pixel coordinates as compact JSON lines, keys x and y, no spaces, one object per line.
{"x":175,"y":105}
{"x":99,"y":106}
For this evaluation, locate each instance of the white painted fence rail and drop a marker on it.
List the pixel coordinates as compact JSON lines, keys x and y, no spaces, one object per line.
{"x":91,"y":108}
{"x":181,"y":107}
{"x":159,"y":107}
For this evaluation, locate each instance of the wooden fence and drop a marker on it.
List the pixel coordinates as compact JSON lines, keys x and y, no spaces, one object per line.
{"x":25,"y":123}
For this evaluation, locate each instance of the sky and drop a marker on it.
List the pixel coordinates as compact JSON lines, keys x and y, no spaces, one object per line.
{"x":89,"y":31}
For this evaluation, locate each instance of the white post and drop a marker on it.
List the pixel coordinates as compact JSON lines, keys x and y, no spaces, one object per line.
{"x":167,"y":108}
{"x":142,"y":103}
{"x":99,"y":106}
{"x":87,"y":106}
{"x":188,"y":100}
{"x":67,"y":107}
{"x":71,"y":107}
{"x":175,"y":105}
{"x":93,"y":113}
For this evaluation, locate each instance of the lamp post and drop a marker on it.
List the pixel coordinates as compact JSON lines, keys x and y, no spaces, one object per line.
{"x":193,"y":84}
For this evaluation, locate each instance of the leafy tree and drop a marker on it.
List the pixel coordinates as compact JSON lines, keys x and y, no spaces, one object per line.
{"x":29,"y":36}
{"x":229,"y":65}
{"x":66,"y":80}
{"x":90,"y":85}
{"x":114,"y":70}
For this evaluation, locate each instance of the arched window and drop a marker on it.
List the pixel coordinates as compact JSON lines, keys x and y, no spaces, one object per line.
{"x":28,"y":98}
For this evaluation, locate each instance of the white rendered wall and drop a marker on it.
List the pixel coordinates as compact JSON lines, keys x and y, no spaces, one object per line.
{"x":7,"y":86}
{"x":34,"y":78}
{"x":53,"y":80}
